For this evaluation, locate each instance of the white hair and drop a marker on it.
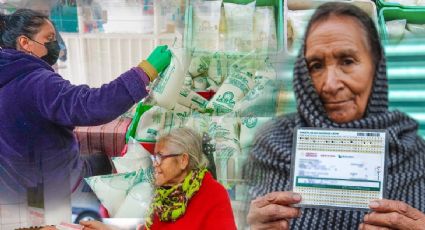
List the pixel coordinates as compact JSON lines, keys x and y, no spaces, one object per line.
{"x":186,"y":140}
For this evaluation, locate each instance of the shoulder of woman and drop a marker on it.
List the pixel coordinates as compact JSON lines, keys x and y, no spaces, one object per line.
{"x":210,"y":184}
{"x":43,"y":76}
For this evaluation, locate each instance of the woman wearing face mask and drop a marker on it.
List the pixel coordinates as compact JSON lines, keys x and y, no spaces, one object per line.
{"x":39,"y":109}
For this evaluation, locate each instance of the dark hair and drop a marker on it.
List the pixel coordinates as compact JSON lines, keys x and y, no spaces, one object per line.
{"x":324,"y":11}
{"x":23,"y":22}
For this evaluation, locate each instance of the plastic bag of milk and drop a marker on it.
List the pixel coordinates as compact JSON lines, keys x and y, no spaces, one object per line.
{"x":240,"y":26}
{"x":417,"y":29}
{"x":206,"y":21}
{"x":199,"y":65}
{"x":137,"y":202}
{"x":265,"y":29}
{"x":217,"y":70}
{"x":249,"y":127}
{"x":297,"y":24}
{"x":150,"y":124}
{"x":136,"y":158}
{"x":175,"y":118}
{"x":396,"y":29}
{"x":234,"y":88}
{"x":112,"y":189}
{"x":224,"y":130}
{"x":191,"y":99}
{"x":166,"y":90}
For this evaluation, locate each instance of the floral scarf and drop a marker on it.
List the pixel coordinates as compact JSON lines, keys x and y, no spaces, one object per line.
{"x":170,"y":203}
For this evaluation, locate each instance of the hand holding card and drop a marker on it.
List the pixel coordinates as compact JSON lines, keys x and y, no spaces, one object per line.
{"x":338,"y":168}
{"x":274,"y":210}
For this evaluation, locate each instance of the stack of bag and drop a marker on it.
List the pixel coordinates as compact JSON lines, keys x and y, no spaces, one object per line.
{"x":127,"y":193}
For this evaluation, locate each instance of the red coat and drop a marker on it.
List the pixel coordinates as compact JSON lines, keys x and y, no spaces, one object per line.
{"x":209,"y":208}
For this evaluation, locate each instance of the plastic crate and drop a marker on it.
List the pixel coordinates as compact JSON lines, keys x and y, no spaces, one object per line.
{"x":416,"y":16}
{"x":368,"y":6}
{"x":382,"y":3}
{"x":278,"y":6}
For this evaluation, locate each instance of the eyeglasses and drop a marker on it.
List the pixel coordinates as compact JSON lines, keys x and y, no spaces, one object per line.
{"x":158,"y":158}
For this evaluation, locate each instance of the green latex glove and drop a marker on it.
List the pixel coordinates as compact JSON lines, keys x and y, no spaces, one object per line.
{"x":160,"y":58}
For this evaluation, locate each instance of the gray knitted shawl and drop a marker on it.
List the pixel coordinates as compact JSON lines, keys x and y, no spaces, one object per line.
{"x":270,"y":158}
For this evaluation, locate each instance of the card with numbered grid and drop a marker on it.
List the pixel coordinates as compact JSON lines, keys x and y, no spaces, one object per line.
{"x":339,"y":168}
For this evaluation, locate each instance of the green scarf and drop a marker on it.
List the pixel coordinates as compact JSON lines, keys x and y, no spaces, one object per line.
{"x":170,"y":203}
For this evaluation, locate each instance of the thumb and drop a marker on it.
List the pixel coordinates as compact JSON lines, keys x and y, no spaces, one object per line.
{"x":168,"y":53}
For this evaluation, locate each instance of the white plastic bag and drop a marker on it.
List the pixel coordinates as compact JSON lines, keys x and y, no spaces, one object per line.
{"x":265,"y":29}
{"x":224,"y":130}
{"x":188,"y":81}
{"x":112,"y":189}
{"x":200,"y":83}
{"x":396,"y":29}
{"x":417,"y":29}
{"x":191,"y":99}
{"x":212,"y":85}
{"x":166,"y":91}
{"x":236,"y":86}
{"x":136,"y":158}
{"x":259,"y":101}
{"x":206,"y":21}
{"x":175,"y":118}
{"x":420,"y":3}
{"x":199,"y":122}
{"x":137,"y":202}
{"x":265,"y":72}
{"x":249,"y":127}
{"x":297,"y":21}
{"x":135,"y":150}
{"x":199,"y":65}
{"x":240,"y":26}
{"x":150,"y":124}
{"x":217,"y":70}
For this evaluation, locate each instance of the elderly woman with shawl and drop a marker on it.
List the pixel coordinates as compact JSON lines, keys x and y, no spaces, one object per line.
{"x":339,"y":82}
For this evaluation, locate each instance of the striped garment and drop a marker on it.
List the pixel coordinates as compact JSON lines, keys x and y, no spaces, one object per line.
{"x":270,"y":159}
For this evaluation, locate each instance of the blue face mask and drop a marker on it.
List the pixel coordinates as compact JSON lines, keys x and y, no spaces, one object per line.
{"x":53,"y":50}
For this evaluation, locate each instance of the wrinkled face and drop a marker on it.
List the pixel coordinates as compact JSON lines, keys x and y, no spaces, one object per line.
{"x":46,"y":34}
{"x":341,"y":66}
{"x":171,"y":170}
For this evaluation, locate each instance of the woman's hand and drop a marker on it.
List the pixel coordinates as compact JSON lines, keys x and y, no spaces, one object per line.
{"x":391,"y":214}
{"x":160,"y":58}
{"x":273,"y":211}
{"x":95,"y":225}
{"x":157,"y":62}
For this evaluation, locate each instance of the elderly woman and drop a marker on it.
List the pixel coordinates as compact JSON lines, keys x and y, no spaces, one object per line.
{"x":186,"y":194}
{"x":339,"y":82}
